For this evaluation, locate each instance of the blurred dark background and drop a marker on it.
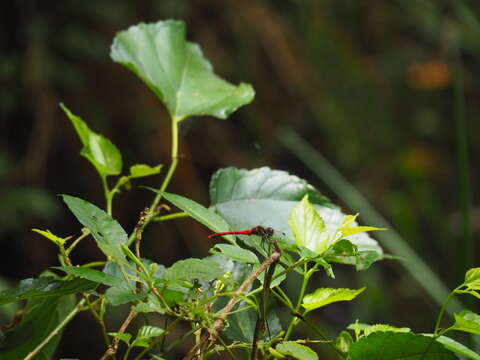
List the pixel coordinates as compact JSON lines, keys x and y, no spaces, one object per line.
{"x":370,"y":84}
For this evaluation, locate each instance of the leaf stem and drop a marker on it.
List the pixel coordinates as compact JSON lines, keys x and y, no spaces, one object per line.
{"x":306,"y":279}
{"x":56,"y":331}
{"x":436,"y":331}
{"x":152,"y":210}
{"x":170,"y":216}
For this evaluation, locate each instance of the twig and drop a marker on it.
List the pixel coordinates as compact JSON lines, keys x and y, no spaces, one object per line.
{"x":222,"y":315}
{"x":56,"y":331}
{"x":112,"y":349}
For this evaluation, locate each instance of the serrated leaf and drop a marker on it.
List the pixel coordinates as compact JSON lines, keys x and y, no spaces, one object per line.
{"x":119,"y":295}
{"x":43,"y":287}
{"x":325,"y":296}
{"x":107,"y":232}
{"x":467,"y":321}
{"x":142,"y":170}
{"x":308,"y":227}
{"x":145,"y":334}
{"x":246,"y":198}
{"x":200,"y":213}
{"x":92,"y":275}
{"x":399,"y":346}
{"x":193,"y":269}
{"x":176,"y":71}
{"x":384,"y":327}
{"x":100,"y":151}
{"x":40,"y":318}
{"x":456,"y":347}
{"x":296,"y":351}
{"x":472,"y":279}
{"x":235,"y":253}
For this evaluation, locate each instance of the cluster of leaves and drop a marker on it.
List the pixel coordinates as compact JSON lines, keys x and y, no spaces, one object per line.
{"x":225,"y":295}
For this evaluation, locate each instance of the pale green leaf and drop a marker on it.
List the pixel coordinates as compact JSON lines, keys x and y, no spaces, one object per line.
{"x":176,"y":71}
{"x":308,"y":227}
{"x":384,"y":327}
{"x":472,"y":279}
{"x":325,"y":296}
{"x":297,"y":351}
{"x":125,"y":337}
{"x":56,"y":239}
{"x":467,"y":321}
{"x":235,"y":253}
{"x":142,"y":170}
{"x":96,"y":148}
{"x":145,"y":335}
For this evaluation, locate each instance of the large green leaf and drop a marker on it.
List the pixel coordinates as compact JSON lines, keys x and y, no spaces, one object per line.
{"x":176,"y":71}
{"x":325,"y":296}
{"x":467,"y":321}
{"x":201,"y":269}
{"x":107,"y":232}
{"x":40,"y":318}
{"x":96,"y":148}
{"x":296,"y":351}
{"x":399,"y":346}
{"x":45,"y":286}
{"x":456,"y":347}
{"x":200,"y":213}
{"x":246,"y":198}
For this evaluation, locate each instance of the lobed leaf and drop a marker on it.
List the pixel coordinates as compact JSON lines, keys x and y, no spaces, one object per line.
{"x":472,"y":279}
{"x":176,"y":71}
{"x":246,"y":198}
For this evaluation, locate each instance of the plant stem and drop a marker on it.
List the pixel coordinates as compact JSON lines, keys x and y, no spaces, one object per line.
{"x":442,"y":311}
{"x":108,"y":195}
{"x":177,"y":215}
{"x":112,"y":349}
{"x":56,"y":331}
{"x":75,"y":243}
{"x":152,"y":210}
{"x":306,"y":279}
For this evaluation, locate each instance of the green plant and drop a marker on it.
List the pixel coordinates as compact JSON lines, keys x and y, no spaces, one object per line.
{"x":228,"y":299}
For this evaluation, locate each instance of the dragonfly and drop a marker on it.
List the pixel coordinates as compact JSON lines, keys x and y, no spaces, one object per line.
{"x":271,"y":236}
